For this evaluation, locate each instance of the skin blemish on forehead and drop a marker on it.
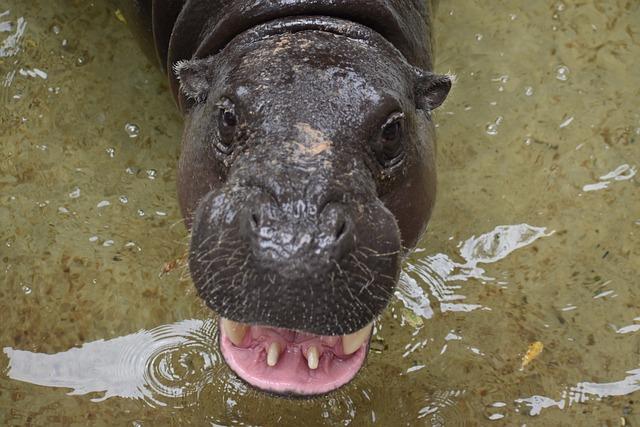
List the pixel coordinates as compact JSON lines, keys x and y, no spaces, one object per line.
{"x":314,"y":141}
{"x":305,"y":44}
{"x":281,"y":45}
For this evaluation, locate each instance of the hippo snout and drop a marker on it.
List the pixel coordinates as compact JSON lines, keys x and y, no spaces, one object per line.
{"x":297,"y":239}
{"x":286,"y":259}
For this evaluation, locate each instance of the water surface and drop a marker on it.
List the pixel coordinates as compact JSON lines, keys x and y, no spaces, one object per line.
{"x":535,"y":238}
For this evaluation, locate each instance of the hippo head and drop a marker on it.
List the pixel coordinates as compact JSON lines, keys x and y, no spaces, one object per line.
{"x":307,"y":169}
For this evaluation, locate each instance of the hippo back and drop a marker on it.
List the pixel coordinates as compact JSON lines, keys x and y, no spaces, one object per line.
{"x":186,"y":29}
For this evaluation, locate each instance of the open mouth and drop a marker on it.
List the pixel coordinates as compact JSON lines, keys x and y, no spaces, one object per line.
{"x":288,"y":362}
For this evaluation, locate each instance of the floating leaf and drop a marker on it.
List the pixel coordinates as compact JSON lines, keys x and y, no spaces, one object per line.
{"x":532,"y":353}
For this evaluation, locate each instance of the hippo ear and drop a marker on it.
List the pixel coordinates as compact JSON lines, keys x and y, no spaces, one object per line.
{"x":195,"y":77}
{"x":432,"y":89}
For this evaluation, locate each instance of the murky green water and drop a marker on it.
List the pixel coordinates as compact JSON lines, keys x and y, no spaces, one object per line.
{"x":536,"y":235}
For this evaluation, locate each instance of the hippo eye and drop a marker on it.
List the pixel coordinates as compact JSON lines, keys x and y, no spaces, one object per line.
{"x":389,"y":148}
{"x":227,"y":121}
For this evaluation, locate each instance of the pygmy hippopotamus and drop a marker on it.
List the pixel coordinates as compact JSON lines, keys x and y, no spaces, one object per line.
{"x":306,"y":170}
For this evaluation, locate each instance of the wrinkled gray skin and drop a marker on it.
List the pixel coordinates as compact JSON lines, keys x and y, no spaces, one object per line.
{"x":307,"y":165}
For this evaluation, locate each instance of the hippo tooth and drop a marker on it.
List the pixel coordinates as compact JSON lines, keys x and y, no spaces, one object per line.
{"x":313,"y":357}
{"x":235,"y":331}
{"x":273,"y":354}
{"x":352,"y":342}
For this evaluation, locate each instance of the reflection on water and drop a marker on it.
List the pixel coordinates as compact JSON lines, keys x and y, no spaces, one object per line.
{"x":166,"y":366}
{"x":10,"y":46}
{"x":11,"y":43}
{"x":629,"y":328}
{"x":437,"y":402}
{"x":439,"y":272}
{"x":583,"y":392}
{"x":621,"y":173}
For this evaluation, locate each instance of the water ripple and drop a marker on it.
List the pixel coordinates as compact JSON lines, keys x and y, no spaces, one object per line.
{"x":440,"y":401}
{"x":582,"y":392}
{"x":10,"y":46}
{"x":623,"y":172}
{"x":166,"y":366}
{"x":440,"y":272}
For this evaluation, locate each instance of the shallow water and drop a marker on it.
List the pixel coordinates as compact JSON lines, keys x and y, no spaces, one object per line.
{"x":535,"y":238}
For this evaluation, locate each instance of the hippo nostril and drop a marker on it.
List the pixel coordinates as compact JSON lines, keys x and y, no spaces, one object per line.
{"x":340,"y":229}
{"x":255,"y":220}
{"x":343,"y":238}
{"x":336,"y":222}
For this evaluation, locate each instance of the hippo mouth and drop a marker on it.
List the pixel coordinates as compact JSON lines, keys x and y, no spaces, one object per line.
{"x":287,"y":362}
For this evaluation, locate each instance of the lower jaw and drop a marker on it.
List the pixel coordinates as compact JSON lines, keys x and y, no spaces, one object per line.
{"x":291,"y":374}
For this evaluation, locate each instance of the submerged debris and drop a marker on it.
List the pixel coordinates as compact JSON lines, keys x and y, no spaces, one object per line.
{"x":169,"y":266}
{"x":120,"y":16}
{"x":532,"y":353}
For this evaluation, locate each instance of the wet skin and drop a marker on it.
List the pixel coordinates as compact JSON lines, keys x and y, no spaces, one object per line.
{"x":306,"y":172}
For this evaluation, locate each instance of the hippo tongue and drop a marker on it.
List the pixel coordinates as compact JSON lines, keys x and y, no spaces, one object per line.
{"x":289,"y":362}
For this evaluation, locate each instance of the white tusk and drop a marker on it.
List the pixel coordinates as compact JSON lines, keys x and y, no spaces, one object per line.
{"x":235,"y":331}
{"x":352,"y":342}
